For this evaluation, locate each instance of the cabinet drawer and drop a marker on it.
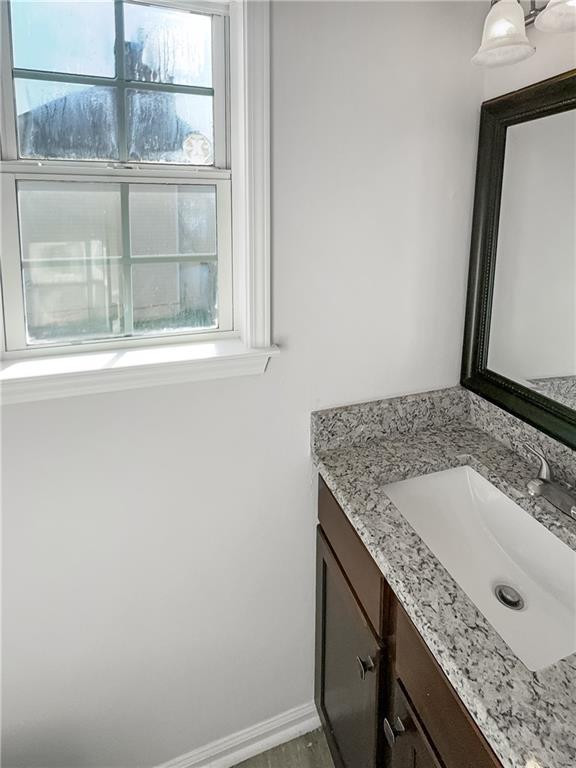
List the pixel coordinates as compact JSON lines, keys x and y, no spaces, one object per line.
{"x":449,"y":726}
{"x":361,"y":571}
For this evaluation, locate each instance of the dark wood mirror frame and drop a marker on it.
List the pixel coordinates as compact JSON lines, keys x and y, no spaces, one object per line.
{"x":549,"y":97}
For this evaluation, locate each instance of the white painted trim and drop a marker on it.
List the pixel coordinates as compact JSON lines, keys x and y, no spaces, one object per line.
{"x":250,"y":159}
{"x":220,"y":83}
{"x":12,"y":293}
{"x":132,"y":171}
{"x":240,"y":746}
{"x":8,"y":141}
{"x":199,"y":6}
{"x":53,"y":377}
{"x":250,"y":147}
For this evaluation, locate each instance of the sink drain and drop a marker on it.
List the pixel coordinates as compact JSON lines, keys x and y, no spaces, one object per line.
{"x":509,"y":597}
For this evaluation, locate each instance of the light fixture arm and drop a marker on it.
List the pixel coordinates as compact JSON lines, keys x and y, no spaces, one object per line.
{"x":533,"y":13}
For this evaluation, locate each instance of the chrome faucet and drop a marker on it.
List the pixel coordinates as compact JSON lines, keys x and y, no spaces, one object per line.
{"x":563,"y":497}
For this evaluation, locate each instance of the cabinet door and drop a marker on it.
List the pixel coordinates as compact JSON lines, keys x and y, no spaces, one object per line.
{"x":348,"y":674}
{"x":408,"y":745}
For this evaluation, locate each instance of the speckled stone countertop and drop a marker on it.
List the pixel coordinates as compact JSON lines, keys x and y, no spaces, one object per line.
{"x":528,"y":718}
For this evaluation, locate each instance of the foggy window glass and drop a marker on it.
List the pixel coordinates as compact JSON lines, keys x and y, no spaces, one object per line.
{"x":168,"y":220}
{"x":91,"y":120}
{"x":170,"y":127}
{"x":66,"y":121}
{"x":174,"y":295}
{"x":71,"y":266}
{"x":167,"y":46}
{"x":80,"y":284}
{"x":72,"y":37}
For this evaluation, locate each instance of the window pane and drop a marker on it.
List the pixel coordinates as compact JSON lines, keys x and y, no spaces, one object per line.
{"x":70,"y":243}
{"x":167,"y":46}
{"x":74,"y":37}
{"x":174,"y":296}
{"x":170,"y":220}
{"x":73,"y":302}
{"x":66,"y":121}
{"x":69,"y":220}
{"x":170,"y":127}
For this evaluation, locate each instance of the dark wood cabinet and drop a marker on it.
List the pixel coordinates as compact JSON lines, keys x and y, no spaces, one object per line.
{"x":448,"y":723}
{"x":383,"y":699}
{"x":348,"y":689}
{"x":407,"y":743}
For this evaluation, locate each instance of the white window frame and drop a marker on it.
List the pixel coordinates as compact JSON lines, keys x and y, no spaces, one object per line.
{"x":14,"y":311}
{"x":245,"y":347}
{"x":14,"y":170}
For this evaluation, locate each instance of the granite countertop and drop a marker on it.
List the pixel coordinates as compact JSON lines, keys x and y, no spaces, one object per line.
{"x":528,"y":718}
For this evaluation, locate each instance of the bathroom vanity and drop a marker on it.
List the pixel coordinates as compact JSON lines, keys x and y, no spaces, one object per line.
{"x":409,"y":671}
{"x":398,"y":702}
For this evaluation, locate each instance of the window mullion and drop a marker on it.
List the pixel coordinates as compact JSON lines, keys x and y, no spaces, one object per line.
{"x":122,"y":127}
{"x":121,"y":81}
{"x":124,"y":188}
{"x":224,"y":241}
{"x":126,"y":260}
{"x":62,"y":77}
{"x":144,"y":85}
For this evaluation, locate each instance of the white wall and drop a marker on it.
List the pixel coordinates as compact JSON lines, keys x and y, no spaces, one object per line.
{"x":159,"y":544}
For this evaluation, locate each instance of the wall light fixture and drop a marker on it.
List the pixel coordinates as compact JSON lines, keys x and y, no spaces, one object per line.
{"x":504,"y":39}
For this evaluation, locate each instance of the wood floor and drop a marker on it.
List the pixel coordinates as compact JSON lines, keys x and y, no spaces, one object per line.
{"x":309,"y":751}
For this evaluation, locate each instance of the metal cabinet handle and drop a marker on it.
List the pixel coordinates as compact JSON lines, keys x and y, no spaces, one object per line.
{"x":365,"y":666}
{"x":392,"y":733}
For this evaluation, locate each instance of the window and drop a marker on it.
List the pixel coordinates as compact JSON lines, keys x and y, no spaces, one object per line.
{"x":116,"y":180}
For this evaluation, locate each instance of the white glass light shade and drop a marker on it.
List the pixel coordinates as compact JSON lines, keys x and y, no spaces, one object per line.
{"x":559,"y":15}
{"x":504,"y":39}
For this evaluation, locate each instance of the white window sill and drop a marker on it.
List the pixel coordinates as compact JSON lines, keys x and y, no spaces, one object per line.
{"x":51,"y":377}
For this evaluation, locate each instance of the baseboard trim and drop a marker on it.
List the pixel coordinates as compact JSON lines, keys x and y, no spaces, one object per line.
{"x":231,"y":750}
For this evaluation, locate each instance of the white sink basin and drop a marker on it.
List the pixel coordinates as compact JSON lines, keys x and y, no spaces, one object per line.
{"x":484,"y":539}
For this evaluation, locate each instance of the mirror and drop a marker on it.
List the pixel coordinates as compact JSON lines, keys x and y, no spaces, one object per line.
{"x":520,"y":336}
{"x":533,"y":322}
